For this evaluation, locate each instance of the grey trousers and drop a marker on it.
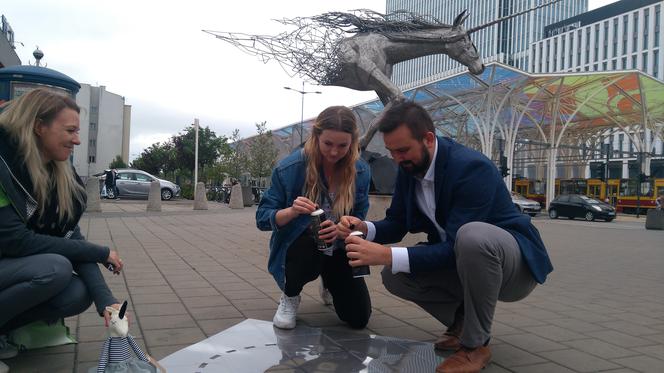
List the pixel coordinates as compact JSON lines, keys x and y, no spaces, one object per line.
{"x":489,"y":268}
{"x":39,"y":287}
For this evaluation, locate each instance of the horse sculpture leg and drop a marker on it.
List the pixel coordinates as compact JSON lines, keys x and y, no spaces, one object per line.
{"x":386,"y":91}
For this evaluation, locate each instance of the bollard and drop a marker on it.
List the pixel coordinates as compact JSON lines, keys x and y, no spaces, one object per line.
{"x":154,"y":198}
{"x":92,"y":190}
{"x":655,"y":219}
{"x":236,"y":202}
{"x":247,"y":196}
{"x":200,"y":199}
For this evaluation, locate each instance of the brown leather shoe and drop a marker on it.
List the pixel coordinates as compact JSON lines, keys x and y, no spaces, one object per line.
{"x":466,"y":361}
{"x":449,"y":341}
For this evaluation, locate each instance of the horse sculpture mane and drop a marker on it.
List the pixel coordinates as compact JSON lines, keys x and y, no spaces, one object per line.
{"x":364,"y":20}
{"x":310,"y":47}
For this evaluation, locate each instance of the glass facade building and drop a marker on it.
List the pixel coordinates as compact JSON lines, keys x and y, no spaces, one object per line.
{"x":508,"y":42}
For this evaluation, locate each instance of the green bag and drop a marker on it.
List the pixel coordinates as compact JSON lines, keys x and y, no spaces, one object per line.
{"x":39,"y":334}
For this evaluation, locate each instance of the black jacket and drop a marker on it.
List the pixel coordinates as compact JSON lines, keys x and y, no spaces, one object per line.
{"x":22,"y":234}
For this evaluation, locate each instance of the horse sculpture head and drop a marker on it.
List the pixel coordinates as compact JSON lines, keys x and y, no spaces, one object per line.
{"x":461,"y":48}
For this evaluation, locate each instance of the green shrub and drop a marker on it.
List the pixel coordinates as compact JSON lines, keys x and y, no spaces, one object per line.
{"x":187,"y":191}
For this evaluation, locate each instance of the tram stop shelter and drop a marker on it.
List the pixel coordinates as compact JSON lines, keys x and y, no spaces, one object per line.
{"x":544,"y":118}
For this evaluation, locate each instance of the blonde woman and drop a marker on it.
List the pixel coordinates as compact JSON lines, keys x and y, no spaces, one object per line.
{"x":328,"y":174}
{"x":41,"y":202}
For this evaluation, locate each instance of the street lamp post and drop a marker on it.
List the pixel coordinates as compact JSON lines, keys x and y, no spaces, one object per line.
{"x":302,"y":92}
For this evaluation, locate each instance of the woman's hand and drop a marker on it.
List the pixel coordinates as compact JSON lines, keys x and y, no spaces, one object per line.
{"x":328,"y":232}
{"x":303,"y":205}
{"x":114,"y":260}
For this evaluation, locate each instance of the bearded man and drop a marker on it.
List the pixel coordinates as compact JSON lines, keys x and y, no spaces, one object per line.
{"x":480,"y":248}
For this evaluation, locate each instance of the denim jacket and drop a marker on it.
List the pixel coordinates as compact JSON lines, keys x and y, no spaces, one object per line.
{"x":287,"y":184}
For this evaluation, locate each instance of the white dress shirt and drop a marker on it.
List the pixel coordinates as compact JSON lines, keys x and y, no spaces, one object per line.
{"x":425,"y":197}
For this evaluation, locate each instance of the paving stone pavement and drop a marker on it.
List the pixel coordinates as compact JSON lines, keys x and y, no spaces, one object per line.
{"x":190,"y":275}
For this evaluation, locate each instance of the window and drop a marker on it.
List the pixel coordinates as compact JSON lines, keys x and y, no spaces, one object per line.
{"x":635,"y":31}
{"x":634,"y":66}
{"x":596,"y":56}
{"x":93,"y":126}
{"x":578,"y":47}
{"x":126,"y":176}
{"x":91,"y":159}
{"x":655,"y":64}
{"x":587,"y":45}
{"x":624,"y":33}
{"x":614,"y":65}
{"x":615,"y":37}
{"x":606,"y":40}
{"x":144,"y":178}
{"x":93,"y":143}
{"x":562,"y":198}
{"x":621,"y":140}
{"x":656,"y":41}
{"x":646,"y":18}
{"x":644,"y":61}
{"x":624,"y":63}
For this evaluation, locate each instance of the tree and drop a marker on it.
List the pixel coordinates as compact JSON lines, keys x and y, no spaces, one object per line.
{"x":234,"y":157}
{"x":118,"y":162}
{"x":155,"y":159}
{"x":262,"y":153}
{"x":209,"y":147}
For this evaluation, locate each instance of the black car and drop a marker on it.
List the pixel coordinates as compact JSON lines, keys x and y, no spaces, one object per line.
{"x":578,"y":205}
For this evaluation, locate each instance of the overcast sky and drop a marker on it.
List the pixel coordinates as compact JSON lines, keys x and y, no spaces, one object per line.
{"x":155,"y":55}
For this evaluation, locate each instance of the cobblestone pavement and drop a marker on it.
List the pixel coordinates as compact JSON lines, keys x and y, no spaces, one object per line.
{"x":190,"y":275}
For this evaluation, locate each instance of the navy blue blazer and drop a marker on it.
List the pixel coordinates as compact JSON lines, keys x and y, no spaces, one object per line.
{"x":468,"y":188}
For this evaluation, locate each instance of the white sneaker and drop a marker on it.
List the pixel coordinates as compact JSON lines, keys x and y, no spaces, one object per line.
{"x":325,"y":294}
{"x":3,"y":368}
{"x":287,"y":311}
{"x":7,"y":351}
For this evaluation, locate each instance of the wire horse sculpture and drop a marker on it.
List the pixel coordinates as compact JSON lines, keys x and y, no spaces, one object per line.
{"x":358,"y":49}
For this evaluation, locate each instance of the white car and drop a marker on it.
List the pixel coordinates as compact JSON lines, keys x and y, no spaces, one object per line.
{"x":525,"y":205}
{"x":136,"y":183}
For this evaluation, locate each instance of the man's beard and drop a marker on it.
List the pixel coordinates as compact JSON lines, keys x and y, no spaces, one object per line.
{"x":417,"y":169}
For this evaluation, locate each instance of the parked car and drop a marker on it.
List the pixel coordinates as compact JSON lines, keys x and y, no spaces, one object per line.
{"x":525,"y":205}
{"x":580,"y":206}
{"x":136,"y":183}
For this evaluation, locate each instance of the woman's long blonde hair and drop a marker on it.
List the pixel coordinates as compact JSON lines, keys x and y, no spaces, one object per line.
{"x":19,"y":118}
{"x":337,"y":118}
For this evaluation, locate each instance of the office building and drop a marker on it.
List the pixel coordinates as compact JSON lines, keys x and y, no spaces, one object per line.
{"x":625,"y":35}
{"x":8,"y":56}
{"x":105,"y":129}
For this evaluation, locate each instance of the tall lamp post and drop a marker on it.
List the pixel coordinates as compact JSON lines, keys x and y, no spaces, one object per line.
{"x":302,"y":92}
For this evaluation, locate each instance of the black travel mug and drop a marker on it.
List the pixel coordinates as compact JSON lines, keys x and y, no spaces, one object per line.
{"x":359,"y":271}
{"x":318,"y":217}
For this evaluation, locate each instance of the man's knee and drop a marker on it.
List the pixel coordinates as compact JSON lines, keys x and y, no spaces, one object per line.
{"x":472,"y":241}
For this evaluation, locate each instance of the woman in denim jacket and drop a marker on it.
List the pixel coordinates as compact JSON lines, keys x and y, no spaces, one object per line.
{"x":329,"y":174}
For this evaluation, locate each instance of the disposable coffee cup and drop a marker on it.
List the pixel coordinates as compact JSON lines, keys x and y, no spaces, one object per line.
{"x":360,"y":271}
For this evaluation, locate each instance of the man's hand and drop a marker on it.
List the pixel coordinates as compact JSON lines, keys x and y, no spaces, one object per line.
{"x":349,"y":224}
{"x":114,"y":259}
{"x":328,"y":232}
{"x":362,"y":252}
